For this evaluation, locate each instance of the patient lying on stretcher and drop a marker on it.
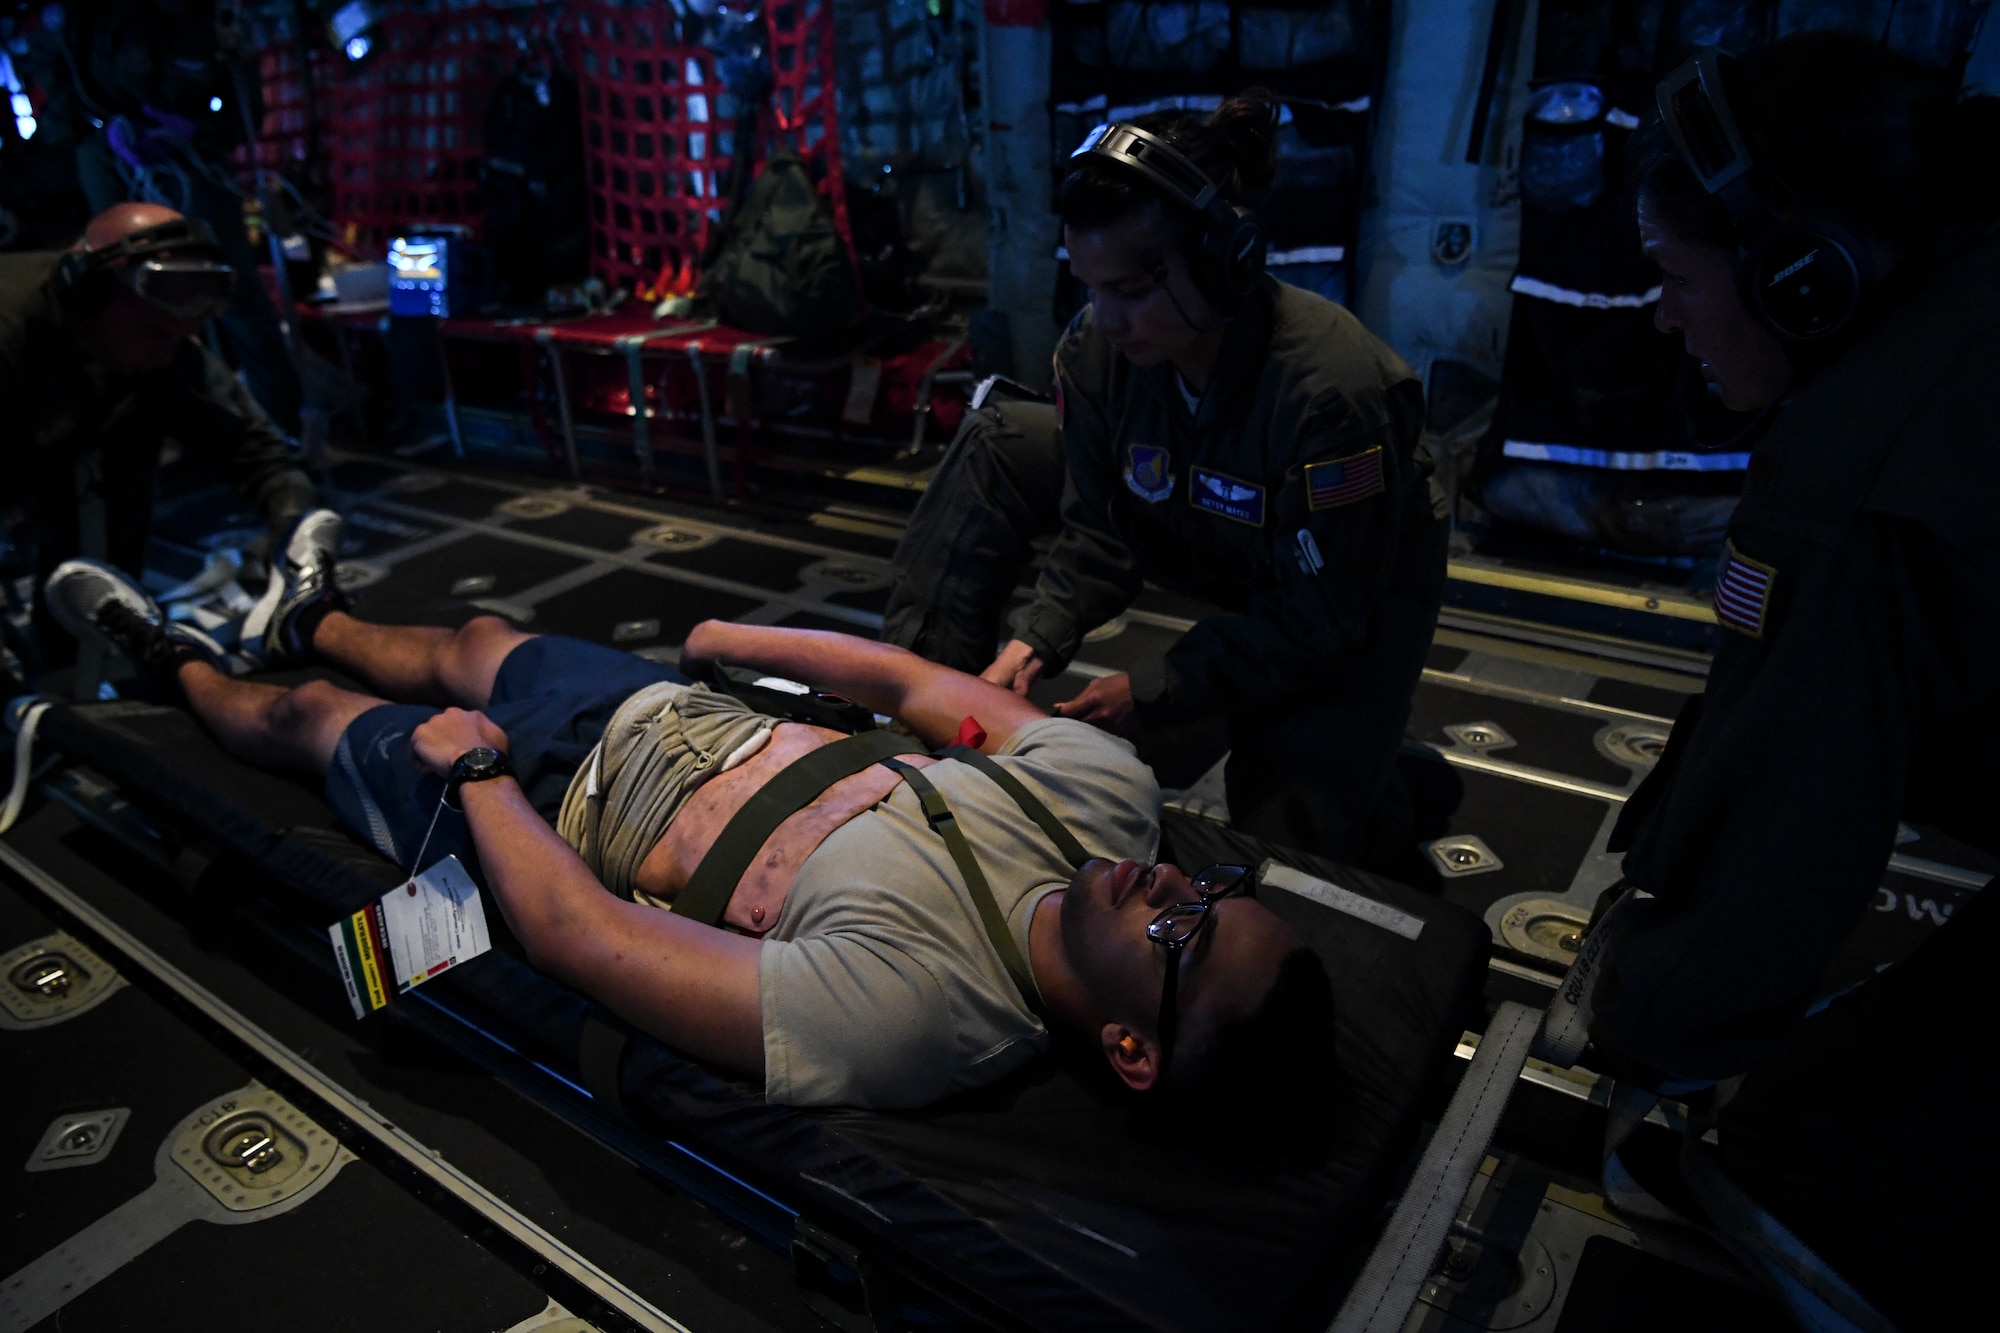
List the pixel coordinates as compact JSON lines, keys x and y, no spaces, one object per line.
{"x":854,"y":963}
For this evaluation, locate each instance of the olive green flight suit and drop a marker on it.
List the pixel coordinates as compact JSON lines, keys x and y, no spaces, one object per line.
{"x":1857,"y":684}
{"x":1293,"y":499}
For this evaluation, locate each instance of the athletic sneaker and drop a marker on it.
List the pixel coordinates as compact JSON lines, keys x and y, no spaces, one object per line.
{"x":302,"y":590}
{"x":105,"y":606}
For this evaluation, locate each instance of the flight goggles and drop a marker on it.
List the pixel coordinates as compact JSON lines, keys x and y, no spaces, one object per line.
{"x":189,"y":289}
{"x":175,"y":267}
{"x":1698,"y":119}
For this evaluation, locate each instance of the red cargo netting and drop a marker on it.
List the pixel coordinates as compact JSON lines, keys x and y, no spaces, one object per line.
{"x":660,"y":139}
{"x":282,"y":134}
{"x":405,"y":124}
{"x":804,"y":104}
{"x":660,"y":133}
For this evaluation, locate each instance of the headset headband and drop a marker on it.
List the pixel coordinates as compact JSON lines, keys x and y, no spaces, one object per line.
{"x":1805,"y":273}
{"x":178,"y":234}
{"x":1154,"y":158}
{"x":175,"y":266}
{"x":1233,"y":242}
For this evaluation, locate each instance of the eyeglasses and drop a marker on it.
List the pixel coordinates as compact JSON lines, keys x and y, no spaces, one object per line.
{"x":1176,"y":927}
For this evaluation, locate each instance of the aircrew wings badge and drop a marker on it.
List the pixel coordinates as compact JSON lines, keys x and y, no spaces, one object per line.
{"x":1344,"y":480}
{"x":1148,"y":474}
{"x":1743,"y":591}
{"x":1220,"y":493}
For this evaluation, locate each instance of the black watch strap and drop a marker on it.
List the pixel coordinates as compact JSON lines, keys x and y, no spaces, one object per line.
{"x":479,"y":764}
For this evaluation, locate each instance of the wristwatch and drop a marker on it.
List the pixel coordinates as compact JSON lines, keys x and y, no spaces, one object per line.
{"x":482,"y":763}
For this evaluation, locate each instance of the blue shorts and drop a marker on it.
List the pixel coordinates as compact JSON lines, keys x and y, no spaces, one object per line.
{"x":553,"y":697}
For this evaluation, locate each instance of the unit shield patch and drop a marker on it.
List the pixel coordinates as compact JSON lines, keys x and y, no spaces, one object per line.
{"x":1219,"y":493}
{"x":1743,"y":591}
{"x":1344,"y":480}
{"x":1147,"y":474}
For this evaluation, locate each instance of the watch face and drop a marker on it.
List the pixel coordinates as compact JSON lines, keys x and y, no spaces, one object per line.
{"x":479,"y":762}
{"x":475,"y":765}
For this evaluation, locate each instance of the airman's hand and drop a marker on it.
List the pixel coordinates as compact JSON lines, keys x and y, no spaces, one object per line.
{"x":1016,"y":668}
{"x":1105,"y":702}
{"x":438,"y":742}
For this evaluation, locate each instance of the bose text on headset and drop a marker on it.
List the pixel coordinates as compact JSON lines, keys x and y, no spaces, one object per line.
{"x":1233,"y":240}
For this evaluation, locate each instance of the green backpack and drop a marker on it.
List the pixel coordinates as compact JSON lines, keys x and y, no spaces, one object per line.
{"x":780,"y":266}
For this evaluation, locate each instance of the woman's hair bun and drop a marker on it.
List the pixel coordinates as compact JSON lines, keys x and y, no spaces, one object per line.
{"x":1240,"y":140}
{"x":1235,"y":145}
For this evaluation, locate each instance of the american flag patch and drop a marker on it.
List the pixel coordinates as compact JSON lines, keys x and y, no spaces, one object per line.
{"x":1344,"y":480}
{"x":1743,"y":591}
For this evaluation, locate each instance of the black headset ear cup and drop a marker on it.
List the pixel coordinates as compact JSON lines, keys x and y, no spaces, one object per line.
{"x":1233,"y":242}
{"x":70,"y":272}
{"x":1236,"y":247}
{"x":1806,"y":282}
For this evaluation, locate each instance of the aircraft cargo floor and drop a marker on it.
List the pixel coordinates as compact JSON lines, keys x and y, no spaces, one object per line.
{"x":416,"y":1189}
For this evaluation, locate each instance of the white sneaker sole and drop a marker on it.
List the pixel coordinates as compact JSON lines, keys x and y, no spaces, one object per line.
{"x":257,"y":625}
{"x":251,"y":636}
{"x":82,"y":626}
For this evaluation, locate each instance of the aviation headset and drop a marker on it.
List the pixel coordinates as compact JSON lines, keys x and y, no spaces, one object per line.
{"x":1233,"y":241}
{"x":176,"y":266}
{"x":1802,"y":271}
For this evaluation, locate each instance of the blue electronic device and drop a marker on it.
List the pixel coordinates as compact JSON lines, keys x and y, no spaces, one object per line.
{"x":420,"y":275}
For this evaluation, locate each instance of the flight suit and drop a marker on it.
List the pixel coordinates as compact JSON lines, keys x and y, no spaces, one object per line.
{"x":75,"y":432}
{"x":1857,"y":684}
{"x":1293,"y":498}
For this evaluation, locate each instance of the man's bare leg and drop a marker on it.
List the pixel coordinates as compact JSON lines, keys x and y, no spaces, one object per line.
{"x":270,"y":725}
{"x":421,"y":663}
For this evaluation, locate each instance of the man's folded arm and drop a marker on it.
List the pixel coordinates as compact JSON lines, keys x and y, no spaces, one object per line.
{"x":930,"y":699}
{"x":691,"y":985}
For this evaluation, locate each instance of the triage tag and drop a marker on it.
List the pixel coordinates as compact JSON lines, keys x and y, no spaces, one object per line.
{"x":415,"y":931}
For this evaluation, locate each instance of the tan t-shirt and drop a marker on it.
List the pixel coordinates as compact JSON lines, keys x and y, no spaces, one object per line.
{"x":879,"y":985}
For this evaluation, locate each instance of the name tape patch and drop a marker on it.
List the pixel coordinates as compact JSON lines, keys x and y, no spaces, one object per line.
{"x":1743,"y":591}
{"x":1220,"y":493}
{"x":1148,"y":474}
{"x":1344,"y":480}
